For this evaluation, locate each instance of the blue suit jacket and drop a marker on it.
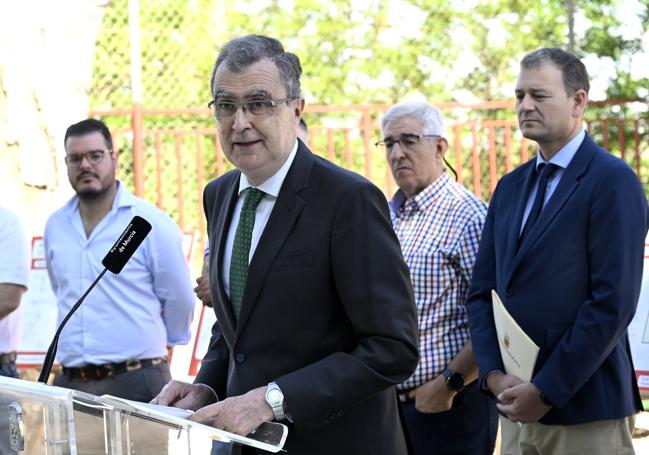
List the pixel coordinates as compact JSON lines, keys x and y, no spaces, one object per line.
{"x":573,"y":285}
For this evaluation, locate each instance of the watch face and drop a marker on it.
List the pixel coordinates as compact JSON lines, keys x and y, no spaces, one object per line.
{"x":275,"y":396}
{"x":455,"y":381}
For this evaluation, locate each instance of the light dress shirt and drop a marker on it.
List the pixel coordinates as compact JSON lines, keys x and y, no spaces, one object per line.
{"x":14,"y":269}
{"x":136,"y":314}
{"x":271,"y":187}
{"x":439,"y":230}
{"x":562,"y":159}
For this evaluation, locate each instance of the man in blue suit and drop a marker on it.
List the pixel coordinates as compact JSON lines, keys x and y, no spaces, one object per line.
{"x":563,"y":247}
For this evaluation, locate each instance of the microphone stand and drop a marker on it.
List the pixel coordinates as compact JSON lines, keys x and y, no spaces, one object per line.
{"x":51,"y":352}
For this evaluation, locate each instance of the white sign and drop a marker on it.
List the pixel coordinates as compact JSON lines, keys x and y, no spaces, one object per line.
{"x":639,"y":330}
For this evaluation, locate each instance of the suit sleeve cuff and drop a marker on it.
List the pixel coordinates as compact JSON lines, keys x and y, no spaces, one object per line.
{"x":483,"y":384}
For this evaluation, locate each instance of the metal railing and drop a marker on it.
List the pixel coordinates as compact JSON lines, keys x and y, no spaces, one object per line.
{"x":168,"y":155}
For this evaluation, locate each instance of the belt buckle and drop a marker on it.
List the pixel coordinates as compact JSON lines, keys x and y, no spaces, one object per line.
{"x":103,"y":371}
{"x":83,"y":375}
{"x":132,"y":365}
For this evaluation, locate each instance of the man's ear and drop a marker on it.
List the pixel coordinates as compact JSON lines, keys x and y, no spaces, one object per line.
{"x":441,"y":145}
{"x":116,"y":158}
{"x":581,"y":100}
{"x":299,"y":108}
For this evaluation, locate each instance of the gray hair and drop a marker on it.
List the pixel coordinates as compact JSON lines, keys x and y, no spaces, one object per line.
{"x":242,"y":52}
{"x":431,"y":120}
{"x":573,"y":71}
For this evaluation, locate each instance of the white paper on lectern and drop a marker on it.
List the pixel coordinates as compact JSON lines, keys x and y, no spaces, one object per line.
{"x":517,"y":349}
{"x":178,"y":416}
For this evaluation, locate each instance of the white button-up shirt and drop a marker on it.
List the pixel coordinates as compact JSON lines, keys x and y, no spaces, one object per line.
{"x":133,"y":315}
{"x":14,"y":269}
{"x":271,"y":187}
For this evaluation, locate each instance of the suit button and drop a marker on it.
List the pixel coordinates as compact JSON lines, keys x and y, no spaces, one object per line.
{"x":241,"y":357}
{"x":509,"y":292}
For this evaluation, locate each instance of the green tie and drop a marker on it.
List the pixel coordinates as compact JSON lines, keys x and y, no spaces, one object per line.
{"x":241,"y":248}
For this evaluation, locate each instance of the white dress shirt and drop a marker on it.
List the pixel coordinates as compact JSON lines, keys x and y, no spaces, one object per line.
{"x":271,"y":187}
{"x":562,"y":159}
{"x":136,"y":314}
{"x":14,"y":269}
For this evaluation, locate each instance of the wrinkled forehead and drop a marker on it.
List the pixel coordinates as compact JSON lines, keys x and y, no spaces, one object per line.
{"x":407,"y":124}
{"x":261,"y":78}
{"x":542,"y":75}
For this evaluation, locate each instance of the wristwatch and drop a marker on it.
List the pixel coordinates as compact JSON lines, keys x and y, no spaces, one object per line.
{"x":275,"y":399}
{"x":454,"y":380}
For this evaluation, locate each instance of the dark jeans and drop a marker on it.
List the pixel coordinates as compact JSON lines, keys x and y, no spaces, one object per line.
{"x":469,"y":427}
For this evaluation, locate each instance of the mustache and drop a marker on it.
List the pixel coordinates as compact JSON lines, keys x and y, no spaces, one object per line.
{"x":86,"y":174}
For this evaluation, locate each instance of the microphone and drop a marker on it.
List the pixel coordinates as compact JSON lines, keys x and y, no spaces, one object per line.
{"x":126,"y":245}
{"x":115,"y":260}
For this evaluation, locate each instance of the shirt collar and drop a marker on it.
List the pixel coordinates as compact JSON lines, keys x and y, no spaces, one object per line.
{"x":273,"y":184}
{"x":422,"y":200}
{"x":565,"y":155}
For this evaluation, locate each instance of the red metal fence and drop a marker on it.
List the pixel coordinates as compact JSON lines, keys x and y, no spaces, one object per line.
{"x":167,"y":156}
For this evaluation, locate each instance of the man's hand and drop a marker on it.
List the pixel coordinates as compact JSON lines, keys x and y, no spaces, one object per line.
{"x":184,"y":395}
{"x":522,"y":403}
{"x":499,"y":381}
{"x":433,"y":396}
{"x":240,"y":415}
{"x":202,"y":290}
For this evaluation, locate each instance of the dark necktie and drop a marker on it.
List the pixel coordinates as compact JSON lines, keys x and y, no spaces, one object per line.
{"x":241,"y":248}
{"x":545,"y":172}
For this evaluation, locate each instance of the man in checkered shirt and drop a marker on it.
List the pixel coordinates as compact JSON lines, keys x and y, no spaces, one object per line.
{"x":438,"y":223}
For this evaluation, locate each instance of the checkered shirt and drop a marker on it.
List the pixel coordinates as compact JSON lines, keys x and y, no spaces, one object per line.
{"x":439,"y":230}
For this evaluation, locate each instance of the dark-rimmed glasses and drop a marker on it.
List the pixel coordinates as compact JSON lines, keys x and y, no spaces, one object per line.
{"x":407,"y":141}
{"x":93,"y":156}
{"x":262,"y":107}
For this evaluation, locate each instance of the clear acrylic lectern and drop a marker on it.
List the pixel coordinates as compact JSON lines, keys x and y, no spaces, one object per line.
{"x":39,"y":419}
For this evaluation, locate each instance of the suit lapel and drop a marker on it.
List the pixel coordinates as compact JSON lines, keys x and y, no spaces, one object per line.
{"x":286,"y":211}
{"x":525,"y":181}
{"x":217,"y":248}
{"x":567,"y":186}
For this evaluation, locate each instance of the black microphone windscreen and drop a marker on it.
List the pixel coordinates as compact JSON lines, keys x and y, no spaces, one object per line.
{"x":126,"y":245}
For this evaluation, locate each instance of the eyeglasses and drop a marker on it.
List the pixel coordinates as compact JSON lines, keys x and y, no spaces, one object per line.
{"x":259,"y":108}
{"x":94,"y":157}
{"x":407,"y":141}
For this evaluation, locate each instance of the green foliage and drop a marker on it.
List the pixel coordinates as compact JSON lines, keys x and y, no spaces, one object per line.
{"x":352,"y":52}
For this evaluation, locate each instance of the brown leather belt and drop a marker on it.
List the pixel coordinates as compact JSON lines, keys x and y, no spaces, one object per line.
{"x":8,"y":357}
{"x":97,"y":372}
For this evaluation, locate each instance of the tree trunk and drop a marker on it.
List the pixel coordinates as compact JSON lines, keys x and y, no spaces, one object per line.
{"x":46,"y":54}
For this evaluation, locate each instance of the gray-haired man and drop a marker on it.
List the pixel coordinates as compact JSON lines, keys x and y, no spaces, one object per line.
{"x":438,"y":223}
{"x":316,"y":317}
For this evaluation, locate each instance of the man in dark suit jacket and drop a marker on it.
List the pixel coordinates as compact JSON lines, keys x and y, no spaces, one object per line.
{"x":570,"y":276}
{"x":325,"y":324}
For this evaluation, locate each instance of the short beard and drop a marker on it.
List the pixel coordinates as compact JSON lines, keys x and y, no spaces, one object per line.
{"x":90,"y":195}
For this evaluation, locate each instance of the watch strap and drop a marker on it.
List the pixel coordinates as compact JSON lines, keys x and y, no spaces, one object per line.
{"x":277,"y":406}
{"x":454,"y":380}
